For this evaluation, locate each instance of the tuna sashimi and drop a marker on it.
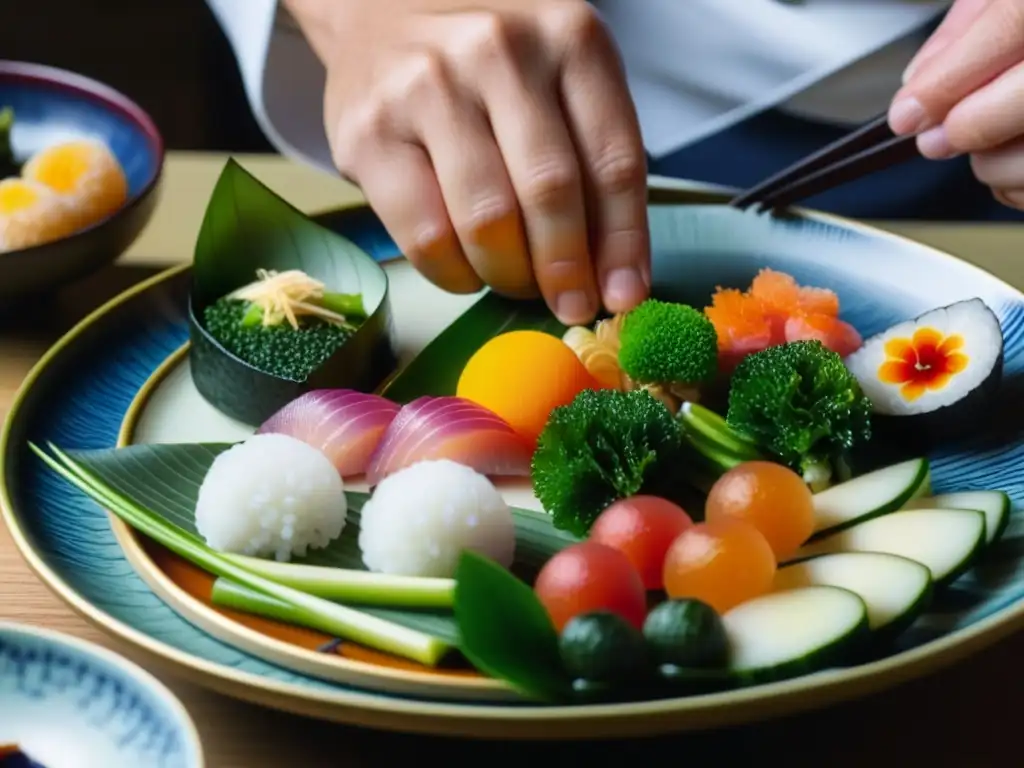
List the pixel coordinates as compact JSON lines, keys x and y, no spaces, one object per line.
{"x":450,"y":428}
{"x":344,"y":424}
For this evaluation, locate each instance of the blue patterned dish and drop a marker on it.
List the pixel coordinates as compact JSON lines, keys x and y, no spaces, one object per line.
{"x":79,"y":394}
{"x":66,"y":702}
{"x":52,"y":105}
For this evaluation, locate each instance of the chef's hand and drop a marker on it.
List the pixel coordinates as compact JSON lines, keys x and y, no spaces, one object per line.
{"x":964,"y":94}
{"x":496,"y":140}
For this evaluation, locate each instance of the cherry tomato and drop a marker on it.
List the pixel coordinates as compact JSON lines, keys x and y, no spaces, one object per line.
{"x":771,"y":497}
{"x":723,"y":563}
{"x":643,"y":528}
{"x":591,"y":577}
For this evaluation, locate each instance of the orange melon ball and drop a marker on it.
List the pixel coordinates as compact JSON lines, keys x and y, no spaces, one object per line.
{"x":771,"y":497}
{"x":722,"y":563}
{"x":522,"y":376}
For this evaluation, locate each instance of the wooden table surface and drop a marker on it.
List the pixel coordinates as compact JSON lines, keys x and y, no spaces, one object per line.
{"x":964,"y":716}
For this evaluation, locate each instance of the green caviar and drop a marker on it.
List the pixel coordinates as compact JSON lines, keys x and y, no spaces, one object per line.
{"x":279,"y":350}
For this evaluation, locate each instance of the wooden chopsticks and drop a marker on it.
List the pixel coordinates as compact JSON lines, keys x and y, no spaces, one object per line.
{"x":866,"y":150}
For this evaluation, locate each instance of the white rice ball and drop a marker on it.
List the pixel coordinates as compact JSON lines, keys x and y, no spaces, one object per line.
{"x":421,"y":518}
{"x":271,"y":495}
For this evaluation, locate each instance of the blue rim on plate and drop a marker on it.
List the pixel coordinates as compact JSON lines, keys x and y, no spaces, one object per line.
{"x":86,"y":383}
{"x":54,"y":104}
{"x":61,"y":693}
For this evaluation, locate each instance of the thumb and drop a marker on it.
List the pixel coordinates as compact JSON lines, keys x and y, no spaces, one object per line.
{"x":989,"y":45}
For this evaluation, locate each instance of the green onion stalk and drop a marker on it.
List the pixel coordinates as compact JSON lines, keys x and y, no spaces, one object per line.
{"x":302,"y":608}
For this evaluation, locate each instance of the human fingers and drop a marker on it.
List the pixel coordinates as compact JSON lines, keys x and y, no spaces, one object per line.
{"x":1001,"y":168}
{"x":1011,"y":198}
{"x":988,"y":47}
{"x":603,"y":121}
{"x":401,"y":186}
{"x":986,"y":119}
{"x":520,"y":97}
{"x":960,"y":15}
{"x":471,"y":174}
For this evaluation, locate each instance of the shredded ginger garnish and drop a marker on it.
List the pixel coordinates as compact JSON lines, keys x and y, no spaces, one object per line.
{"x":286,"y":296}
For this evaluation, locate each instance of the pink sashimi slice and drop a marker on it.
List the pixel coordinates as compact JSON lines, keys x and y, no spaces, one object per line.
{"x":346,"y":425}
{"x":839,"y":336}
{"x":452,"y":428}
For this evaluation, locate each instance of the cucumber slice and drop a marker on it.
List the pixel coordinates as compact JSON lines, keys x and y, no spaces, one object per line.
{"x":895,"y":590}
{"x":876,"y":493}
{"x":995,"y":505}
{"x":945,"y":541}
{"x":785,"y":634}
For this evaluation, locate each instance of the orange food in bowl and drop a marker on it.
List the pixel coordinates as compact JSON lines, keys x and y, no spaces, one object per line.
{"x":30,"y":214}
{"x":522,"y":376}
{"x":85,"y":174}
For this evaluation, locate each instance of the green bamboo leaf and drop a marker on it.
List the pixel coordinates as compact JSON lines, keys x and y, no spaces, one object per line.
{"x":435,"y":371}
{"x":505,"y":630}
{"x":165,"y":479}
{"x":247,"y":227}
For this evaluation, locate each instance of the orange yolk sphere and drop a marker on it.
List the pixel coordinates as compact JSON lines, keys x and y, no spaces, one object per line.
{"x":771,"y":497}
{"x":522,"y":376}
{"x":721,"y":563}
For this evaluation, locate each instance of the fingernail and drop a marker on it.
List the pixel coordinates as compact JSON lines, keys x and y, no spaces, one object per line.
{"x":574,"y":308}
{"x":934,"y":144}
{"x":906,"y":115}
{"x":624,"y":288}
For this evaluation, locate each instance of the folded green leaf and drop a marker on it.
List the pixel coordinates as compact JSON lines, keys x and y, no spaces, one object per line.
{"x":247,"y":227}
{"x":505,"y":630}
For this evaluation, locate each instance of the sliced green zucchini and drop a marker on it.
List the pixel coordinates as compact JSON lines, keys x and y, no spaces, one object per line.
{"x":876,"y":493}
{"x":995,"y":505}
{"x":796,"y":632}
{"x":895,"y":590}
{"x":945,"y":541}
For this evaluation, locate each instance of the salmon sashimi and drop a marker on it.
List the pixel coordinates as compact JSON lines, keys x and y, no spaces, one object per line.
{"x":841,"y":337}
{"x":776,"y":310}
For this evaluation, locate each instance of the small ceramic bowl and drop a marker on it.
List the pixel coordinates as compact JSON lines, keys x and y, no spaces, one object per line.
{"x":52,"y":105}
{"x":70,"y":704}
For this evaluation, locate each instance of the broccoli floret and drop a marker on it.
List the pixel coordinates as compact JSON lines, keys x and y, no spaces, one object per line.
{"x":800,"y":404}
{"x":603,"y":446}
{"x":662,"y":342}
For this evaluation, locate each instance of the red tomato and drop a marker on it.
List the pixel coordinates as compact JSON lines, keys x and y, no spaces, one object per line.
{"x":643,"y":528}
{"x":591,"y":577}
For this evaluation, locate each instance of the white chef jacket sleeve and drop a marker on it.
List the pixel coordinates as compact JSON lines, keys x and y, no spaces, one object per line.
{"x":282,"y":77}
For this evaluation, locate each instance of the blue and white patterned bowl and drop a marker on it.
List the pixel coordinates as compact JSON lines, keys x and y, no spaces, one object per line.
{"x":71,"y":704}
{"x":52,"y":105}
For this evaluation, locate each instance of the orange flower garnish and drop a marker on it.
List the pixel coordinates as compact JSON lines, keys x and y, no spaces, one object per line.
{"x":927,"y":361}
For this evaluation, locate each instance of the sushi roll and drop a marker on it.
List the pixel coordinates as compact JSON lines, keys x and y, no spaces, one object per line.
{"x":937,"y":372}
{"x":85,"y":174}
{"x":30,"y":214}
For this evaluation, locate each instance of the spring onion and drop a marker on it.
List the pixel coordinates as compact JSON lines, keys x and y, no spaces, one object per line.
{"x":305,"y":609}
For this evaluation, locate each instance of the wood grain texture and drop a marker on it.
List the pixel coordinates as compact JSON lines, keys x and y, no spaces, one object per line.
{"x":965,"y":716}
